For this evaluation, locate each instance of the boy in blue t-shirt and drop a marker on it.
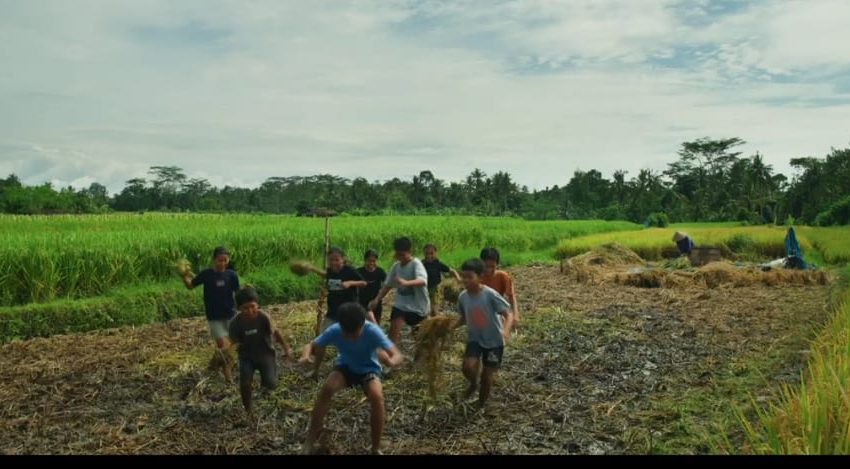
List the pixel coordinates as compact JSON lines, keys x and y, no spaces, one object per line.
{"x":362,"y":347}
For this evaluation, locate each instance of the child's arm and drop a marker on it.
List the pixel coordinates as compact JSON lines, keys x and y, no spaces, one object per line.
{"x":371,"y":317}
{"x":378,"y":299}
{"x":419,"y":282}
{"x":508,"y":317}
{"x":317,"y":271}
{"x":391,"y":357}
{"x":281,"y":339}
{"x":187,"y":280}
{"x":310,"y":351}
{"x":354,"y":284}
{"x":454,"y":274}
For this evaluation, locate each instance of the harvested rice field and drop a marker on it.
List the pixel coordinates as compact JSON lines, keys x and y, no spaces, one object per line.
{"x":598,"y":367}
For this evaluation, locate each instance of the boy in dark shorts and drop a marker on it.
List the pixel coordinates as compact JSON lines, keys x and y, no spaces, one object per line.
{"x":410,"y":279}
{"x":487,"y":316}
{"x":252,"y":330}
{"x":362,"y":346}
{"x":436,"y":270}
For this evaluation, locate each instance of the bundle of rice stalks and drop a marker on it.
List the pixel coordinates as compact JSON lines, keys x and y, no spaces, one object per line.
{"x":587,"y":267}
{"x":607,"y":254}
{"x":451,"y":292}
{"x":183,"y":268}
{"x":679,"y":263}
{"x":300,"y":268}
{"x":432,"y":338}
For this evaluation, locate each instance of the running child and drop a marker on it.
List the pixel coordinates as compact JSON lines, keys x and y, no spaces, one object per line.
{"x":374,"y":276}
{"x":499,"y":280}
{"x":436,"y":270}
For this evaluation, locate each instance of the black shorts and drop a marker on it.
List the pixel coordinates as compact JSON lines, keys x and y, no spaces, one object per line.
{"x":356,"y":379}
{"x":266,"y":365}
{"x":490,"y":357}
{"x":411,"y":319}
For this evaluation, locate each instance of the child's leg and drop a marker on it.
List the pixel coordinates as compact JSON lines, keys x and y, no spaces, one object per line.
{"x":334,"y":384}
{"x":268,"y":372}
{"x":246,"y":381}
{"x":471,"y":367}
{"x":492,"y":361}
{"x":395,"y":328}
{"x":375,"y":392}
{"x":488,"y":377}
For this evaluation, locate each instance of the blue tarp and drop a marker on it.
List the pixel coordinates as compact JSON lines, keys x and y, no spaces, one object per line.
{"x":792,"y":247}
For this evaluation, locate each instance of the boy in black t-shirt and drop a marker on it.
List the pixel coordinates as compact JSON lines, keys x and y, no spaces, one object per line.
{"x":436,"y":270}
{"x":374,"y":277}
{"x":220,"y":282}
{"x":342,"y":282}
{"x":252,"y":330}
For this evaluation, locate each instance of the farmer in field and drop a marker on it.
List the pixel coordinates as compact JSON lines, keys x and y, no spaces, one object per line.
{"x":410,"y":279}
{"x":499,"y":280}
{"x":487,"y":316}
{"x":435,"y":270}
{"x":342,"y":282}
{"x":362,"y":346}
{"x":252,"y":330}
{"x":374,"y":276}
{"x":683,"y":242}
{"x":220,"y":282}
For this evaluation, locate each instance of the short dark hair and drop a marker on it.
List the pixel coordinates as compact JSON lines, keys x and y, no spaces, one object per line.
{"x":220,"y":250}
{"x":403,"y":244}
{"x":351,"y":316}
{"x":247,"y":294}
{"x":371,"y":253}
{"x":336,"y":250}
{"x":473,"y":265}
{"x":429,"y":245}
{"x":490,"y":254}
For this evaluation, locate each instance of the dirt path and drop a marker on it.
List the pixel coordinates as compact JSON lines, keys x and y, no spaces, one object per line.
{"x":596,"y":369}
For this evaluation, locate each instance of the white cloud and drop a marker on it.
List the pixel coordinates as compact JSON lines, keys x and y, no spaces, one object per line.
{"x":236,"y":92}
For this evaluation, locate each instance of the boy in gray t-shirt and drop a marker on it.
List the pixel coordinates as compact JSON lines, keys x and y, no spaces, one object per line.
{"x":410,"y":279}
{"x":487,"y":317}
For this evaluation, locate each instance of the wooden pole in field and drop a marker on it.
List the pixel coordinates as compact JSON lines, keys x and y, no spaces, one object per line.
{"x":324,"y":292}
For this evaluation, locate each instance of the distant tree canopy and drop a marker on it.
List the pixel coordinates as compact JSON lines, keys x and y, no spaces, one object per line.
{"x":710,"y":181}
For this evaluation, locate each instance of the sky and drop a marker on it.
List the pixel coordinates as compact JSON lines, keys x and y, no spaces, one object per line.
{"x":239,"y":91}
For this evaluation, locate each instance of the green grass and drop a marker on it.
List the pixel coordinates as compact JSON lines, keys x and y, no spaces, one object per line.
{"x":45,"y":258}
{"x":152,"y":302}
{"x":814,"y":417}
{"x":832,"y":243}
{"x":757,"y":242}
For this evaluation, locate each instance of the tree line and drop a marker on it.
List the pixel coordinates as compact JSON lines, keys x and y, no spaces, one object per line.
{"x":709,"y":181}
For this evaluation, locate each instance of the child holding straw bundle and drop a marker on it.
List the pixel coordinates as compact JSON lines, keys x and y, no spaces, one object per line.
{"x":374,"y":276}
{"x":220,"y":282}
{"x":436,"y":269}
{"x":342,"y":284}
{"x":487,"y":316}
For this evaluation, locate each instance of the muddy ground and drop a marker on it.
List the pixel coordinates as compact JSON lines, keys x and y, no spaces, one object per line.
{"x":595,"y":369}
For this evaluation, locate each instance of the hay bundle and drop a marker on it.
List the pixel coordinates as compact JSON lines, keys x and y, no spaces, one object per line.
{"x":451,"y":292}
{"x":432,"y":338}
{"x":588,"y":267}
{"x":183,"y":268}
{"x":300,"y":268}
{"x":607,"y":254}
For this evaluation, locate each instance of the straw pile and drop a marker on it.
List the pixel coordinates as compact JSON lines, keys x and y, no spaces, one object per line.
{"x":587,"y":267}
{"x":432,"y":338}
{"x":718,"y":274}
{"x":451,"y":292}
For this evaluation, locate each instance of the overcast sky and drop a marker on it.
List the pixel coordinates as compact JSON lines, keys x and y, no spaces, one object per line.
{"x":237,"y":91}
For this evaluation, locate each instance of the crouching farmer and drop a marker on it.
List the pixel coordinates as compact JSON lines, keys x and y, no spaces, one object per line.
{"x":252,"y":330}
{"x":362,"y":347}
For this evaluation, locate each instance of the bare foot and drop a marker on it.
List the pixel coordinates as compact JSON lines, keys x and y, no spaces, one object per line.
{"x":377,"y":452}
{"x":470,"y":391}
